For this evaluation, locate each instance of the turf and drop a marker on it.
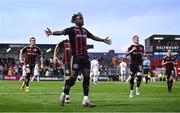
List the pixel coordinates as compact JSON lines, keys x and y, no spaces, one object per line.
{"x":108,"y":96}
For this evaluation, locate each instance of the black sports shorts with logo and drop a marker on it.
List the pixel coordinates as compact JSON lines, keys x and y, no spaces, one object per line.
{"x":79,"y":62}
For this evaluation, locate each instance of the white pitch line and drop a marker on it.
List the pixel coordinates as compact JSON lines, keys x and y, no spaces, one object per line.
{"x":24,"y":93}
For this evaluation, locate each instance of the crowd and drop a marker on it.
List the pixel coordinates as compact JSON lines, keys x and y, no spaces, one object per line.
{"x":9,"y":67}
{"x":113,"y":71}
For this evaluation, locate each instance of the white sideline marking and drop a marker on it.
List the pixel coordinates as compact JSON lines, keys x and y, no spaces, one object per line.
{"x":24,"y":93}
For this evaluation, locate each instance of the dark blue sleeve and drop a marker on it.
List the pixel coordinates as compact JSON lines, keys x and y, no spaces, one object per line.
{"x":68,"y":31}
{"x":61,"y":44}
{"x":89,"y":35}
{"x":143,"y":48}
{"x":129,"y":49}
{"x":24,"y":49}
{"x":38,"y":51}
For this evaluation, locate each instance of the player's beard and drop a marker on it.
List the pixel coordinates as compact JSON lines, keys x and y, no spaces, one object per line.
{"x":80,"y":24}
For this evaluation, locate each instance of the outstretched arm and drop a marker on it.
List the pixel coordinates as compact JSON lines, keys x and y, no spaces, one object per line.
{"x":55,"y":55}
{"x":107,"y":40}
{"x":48,"y":32}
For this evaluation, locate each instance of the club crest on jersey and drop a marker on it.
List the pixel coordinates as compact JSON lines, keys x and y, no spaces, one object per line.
{"x":75,"y":66}
{"x":34,"y":50}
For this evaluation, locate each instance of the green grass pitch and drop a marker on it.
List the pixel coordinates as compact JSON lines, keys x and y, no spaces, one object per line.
{"x":108,"y":96}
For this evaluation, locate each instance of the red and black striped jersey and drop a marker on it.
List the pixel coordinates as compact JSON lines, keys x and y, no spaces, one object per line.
{"x":77,"y":38}
{"x":65,"y":44}
{"x":30,"y":54}
{"x":137,"y":55}
{"x":169,"y":60}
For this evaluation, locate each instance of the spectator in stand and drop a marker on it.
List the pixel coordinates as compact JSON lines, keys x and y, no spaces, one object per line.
{"x":10,"y":72}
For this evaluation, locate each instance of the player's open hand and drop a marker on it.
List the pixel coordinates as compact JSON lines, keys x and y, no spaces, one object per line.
{"x":48,"y":32}
{"x":108,"y":41}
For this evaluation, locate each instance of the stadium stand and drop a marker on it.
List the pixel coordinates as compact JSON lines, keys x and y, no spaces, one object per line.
{"x":157,"y":45}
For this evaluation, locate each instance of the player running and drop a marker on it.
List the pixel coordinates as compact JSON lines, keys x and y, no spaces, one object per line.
{"x":31,"y":53}
{"x":169,"y":61}
{"x":79,"y":59}
{"x":136,"y":52}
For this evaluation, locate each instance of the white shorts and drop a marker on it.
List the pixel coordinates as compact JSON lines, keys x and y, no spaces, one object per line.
{"x":24,"y":74}
{"x":96,"y":72}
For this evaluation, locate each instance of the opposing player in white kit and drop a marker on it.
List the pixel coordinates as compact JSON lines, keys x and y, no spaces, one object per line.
{"x":95,"y":69}
{"x":123,"y":70}
{"x":36,"y":72}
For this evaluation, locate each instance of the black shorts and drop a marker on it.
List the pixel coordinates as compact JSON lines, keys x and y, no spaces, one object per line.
{"x":134,"y":68}
{"x":31,"y":67}
{"x":170,"y":72}
{"x":80,"y":62}
{"x":146,"y":71}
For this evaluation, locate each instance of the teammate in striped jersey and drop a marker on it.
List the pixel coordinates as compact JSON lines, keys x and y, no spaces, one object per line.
{"x":169,"y":61}
{"x":31,"y":53}
{"x":64,"y":47}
